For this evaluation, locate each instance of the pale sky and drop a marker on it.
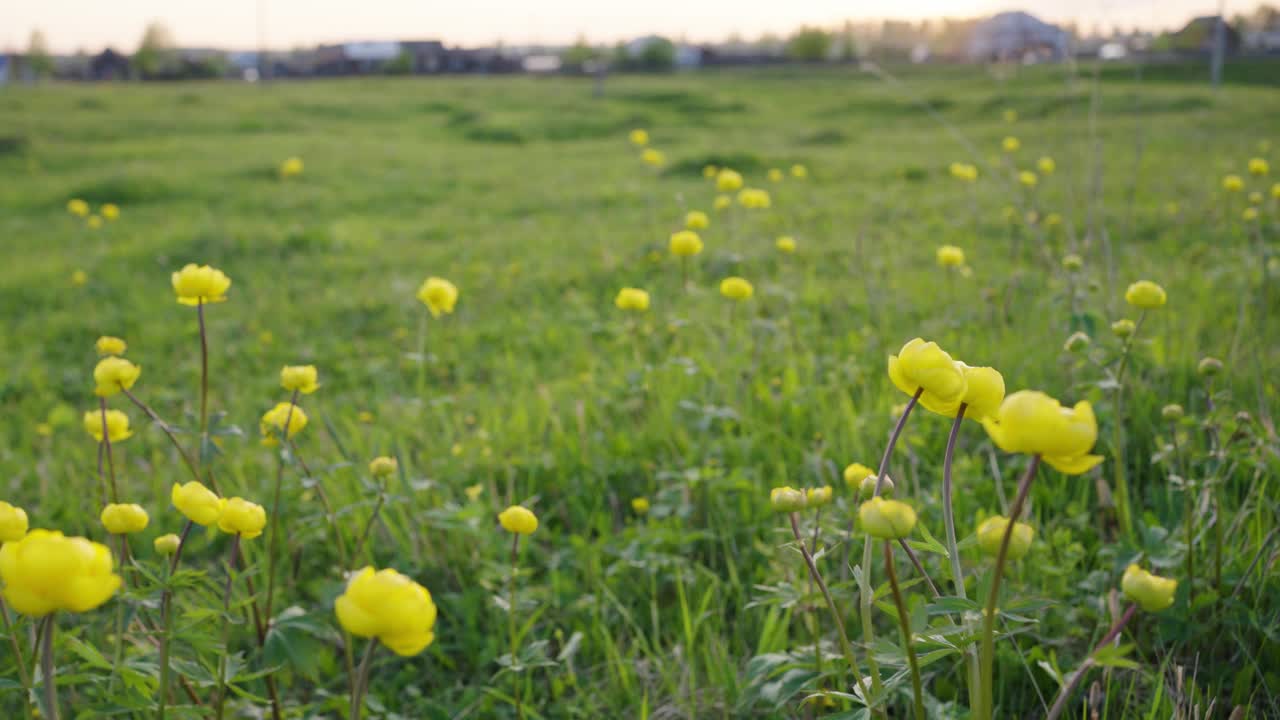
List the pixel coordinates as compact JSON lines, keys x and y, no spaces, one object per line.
{"x":92,"y":24}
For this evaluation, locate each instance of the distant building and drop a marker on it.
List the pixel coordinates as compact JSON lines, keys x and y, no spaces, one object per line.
{"x":1017,"y":36}
{"x":355,"y":58}
{"x":425,"y":56}
{"x":1201,"y":34}
{"x":109,"y":65}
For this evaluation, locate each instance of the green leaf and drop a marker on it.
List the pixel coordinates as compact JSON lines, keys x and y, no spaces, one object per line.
{"x":1114,"y":656}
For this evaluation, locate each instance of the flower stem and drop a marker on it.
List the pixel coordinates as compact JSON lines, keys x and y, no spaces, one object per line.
{"x":166,"y":620}
{"x":47,"y":669}
{"x":220,"y":694}
{"x":204,"y":375}
{"x":273,"y":546}
{"x":361,"y":683}
{"x":953,"y":549}
{"x":1117,"y":435}
{"x":168,"y":431}
{"x":23,"y":676}
{"x":904,"y":622}
{"x":836,"y":613}
{"x":106,"y":443}
{"x":986,"y":701}
{"x":373,"y":519}
{"x":511,"y":613}
{"x":1190,"y":513}
{"x":1064,"y":695}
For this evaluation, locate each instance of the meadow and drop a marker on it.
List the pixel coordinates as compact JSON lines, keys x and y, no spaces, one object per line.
{"x":661,"y":581}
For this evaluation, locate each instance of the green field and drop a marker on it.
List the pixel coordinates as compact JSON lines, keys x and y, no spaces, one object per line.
{"x":526,"y":194}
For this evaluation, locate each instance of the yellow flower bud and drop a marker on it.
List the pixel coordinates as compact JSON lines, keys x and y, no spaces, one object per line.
{"x":1151,"y":592}
{"x":1145,"y":294}
{"x":108,"y":345}
{"x":1011,"y":144}
{"x":518,"y":519}
{"x":710,"y":171}
{"x":696,"y":220}
{"x":117,"y":425}
{"x":1072,"y":262}
{"x":1076,"y":342}
{"x":1249,"y":214}
{"x":640,"y":505}
{"x":167,"y":544}
{"x":243,"y":518}
{"x":633,"y":299}
{"x":775,"y":175}
{"x":113,"y":373}
{"x":819,"y":496}
{"x":78,"y":207}
{"x":79,"y":278}
{"x":13,"y":522}
{"x":991,"y":535}
{"x":728,"y":181}
{"x":1123,"y":328}
{"x":198,"y":503}
{"x":1209,"y":366}
{"x":120,"y":519}
{"x":785,"y":244}
{"x":1232,"y":183}
{"x":921,"y":364}
{"x":639,"y":137}
{"x":736,"y":288}
{"x":200,"y":284}
{"x":950,"y":256}
{"x":854,"y":474}
{"x":799,"y":172}
{"x":383,"y":466}
{"x":1010,"y":116}
{"x":653,"y":158}
{"x":867,"y":488}
{"x":439,"y":295}
{"x":1172,"y":412}
{"x":302,"y":378}
{"x":1028,"y":178}
{"x":722,"y":202}
{"x":1034,"y":423}
{"x":1258,"y":166}
{"x":1046,"y":165}
{"x":45,"y":572}
{"x":787,"y":499}
{"x":887,"y":519}
{"x":390,"y":607}
{"x":291,"y":168}
{"x":686,"y":243}
{"x":754,"y":199}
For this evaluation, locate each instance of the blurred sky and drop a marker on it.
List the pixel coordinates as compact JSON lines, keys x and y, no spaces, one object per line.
{"x":91,"y":24}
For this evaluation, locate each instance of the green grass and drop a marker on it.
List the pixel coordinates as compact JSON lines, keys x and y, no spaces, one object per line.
{"x":525,"y":193}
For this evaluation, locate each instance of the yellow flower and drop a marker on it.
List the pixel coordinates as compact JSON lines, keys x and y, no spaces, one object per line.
{"x":1232,"y":183}
{"x":736,"y":288}
{"x":108,"y":345}
{"x":722,"y":202}
{"x":121,"y":519}
{"x":991,"y":536}
{"x":243,"y":518}
{"x":686,"y":243}
{"x":94,"y":222}
{"x":1123,"y":328}
{"x":1255,"y":198}
{"x":302,"y":378}
{"x":799,"y":172}
{"x":632,"y":299}
{"x":111,"y":211}
{"x":273,"y":421}
{"x":1171,"y":208}
{"x":640,"y":505}
{"x":775,"y":175}
{"x":854,"y":473}
{"x":1072,"y":262}
{"x":1046,"y":165}
{"x":1010,"y":115}
{"x":984,"y":391}
{"x":364,"y":416}
{"x":728,"y":181}
{"x":754,"y":198}
{"x":390,"y":607}
{"x":1145,"y":294}
{"x":964,"y":171}
{"x":819,"y":496}
{"x":653,"y":158}
{"x":1151,"y":592}
{"x":924,"y":365}
{"x":45,"y":572}
{"x":196,"y":284}
{"x":639,"y":137}
{"x":887,"y":519}
{"x":696,"y":220}
{"x":117,"y":425}
{"x":474,"y":491}
{"x":950,"y":256}
{"x":13,"y":522}
{"x":785,"y":244}
{"x":167,"y":544}
{"x":1259,"y":166}
{"x":44,"y":429}
{"x":439,"y":295}
{"x":518,"y":519}
{"x":709,"y":171}
{"x":1034,"y":423}
{"x":1053,"y":219}
{"x":383,"y":466}
{"x":787,"y":499}
{"x":1250,"y":214}
{"x":1275,"y":191}
{"x":1028,"y":178}
{"x":79,"y":278}
{"x":198,"y":503}
{"x":113,"y":373}
{"x":291,"y":167}
{"x":78,"y":207}
{"x":1011,"y":144}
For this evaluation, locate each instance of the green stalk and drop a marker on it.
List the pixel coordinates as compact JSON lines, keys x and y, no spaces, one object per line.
{"x":361,"y":682}
{"x":204,"y":378}
{"x":511,"y":613}
{"x":273,"y":546}
{"x":1117,"y":435}
{"x":904,"y":622}
{"x":23,"y":676}
{"x":106,"y":443}
{"x":47,"y":669}
{"x":166,"y":620}
{"x":953,"y":548}
{"x":220,"y":694}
